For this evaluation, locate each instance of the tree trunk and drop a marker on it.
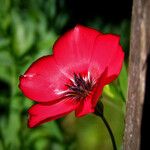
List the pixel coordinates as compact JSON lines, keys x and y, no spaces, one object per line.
{"x":139,"y":51}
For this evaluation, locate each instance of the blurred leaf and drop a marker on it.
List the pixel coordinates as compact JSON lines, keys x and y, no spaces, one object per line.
{"x":1,"y":145}
{"x":4,"y":42}
{"x":125,"y":33}
{"x":13,"y":131}
{"x":23,"y":33}
{"x":114,"y":112}
{"x":4,"y":15}
{"x":123,"y":81}
{"x":4,"y":74}
{"x":47,"y":130}
{"x":46,"y":43}
{"x":13,"y":127}
{"x":54,"y":130}
{"x":26,"y":103}
{"x":6,"y":6}
{"x":41,"y":144}
{"x":5,"y":22}
{"x":61,"y":20}
{"x":112,"y":92}
{"x":3,"y":124}
{"x":5,"y":58}
{"x":51,"y":8}
{"x":57,"y":146}
{"x":36,"y":134}
{"x":115,"y":92}
{"x":10,"y":126}
{"x":41,"y":24}
{"x":5,"y":63}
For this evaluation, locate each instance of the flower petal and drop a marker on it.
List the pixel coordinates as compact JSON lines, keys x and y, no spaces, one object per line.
{"x":103,"y":51}
{"x":111,"y":72}
{"x":75,"y":47}
{"x":42,"y":80}
{"x":115,"y":65}
{"x":40,"y":113}
{"x":99,"y":88}
{"x":85,"y":107}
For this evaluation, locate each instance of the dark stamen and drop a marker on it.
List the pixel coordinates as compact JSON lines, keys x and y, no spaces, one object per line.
{"x":80,"y":88}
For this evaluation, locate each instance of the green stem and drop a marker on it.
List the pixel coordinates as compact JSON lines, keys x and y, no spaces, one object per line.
{"x":99,"y":109}
{"x":110,"y":132}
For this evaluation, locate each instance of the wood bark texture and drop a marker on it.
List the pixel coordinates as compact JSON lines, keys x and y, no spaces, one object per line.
{"x":139,"y":51}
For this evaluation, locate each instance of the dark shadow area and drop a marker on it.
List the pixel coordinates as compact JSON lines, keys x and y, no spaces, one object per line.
{"x":145,"y":127}
{"x":107,"y":10}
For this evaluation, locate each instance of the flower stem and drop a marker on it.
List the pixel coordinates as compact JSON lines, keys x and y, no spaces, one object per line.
{"x":110,"y":132}
{"x":99,"y":112}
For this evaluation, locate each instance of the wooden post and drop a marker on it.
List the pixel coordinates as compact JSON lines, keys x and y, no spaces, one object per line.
{"x":139,"y":51}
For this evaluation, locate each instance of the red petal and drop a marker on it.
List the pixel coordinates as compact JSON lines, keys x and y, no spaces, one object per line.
{"x":85,"y":107}
{"x":115,"y":65}
{"x":39,"y":113}
{"x":103,"y":51}
{"x":74,"y":48}
{"x":42,"y":80}
{"x":88,"y":105}
{"x":99,"y":88}
{"x":111,"y":61}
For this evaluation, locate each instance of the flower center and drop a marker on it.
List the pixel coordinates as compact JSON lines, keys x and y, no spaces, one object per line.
{"x":79,"y":87}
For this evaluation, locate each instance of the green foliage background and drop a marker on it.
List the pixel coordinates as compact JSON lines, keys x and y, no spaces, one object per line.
{"x":28,"y":30}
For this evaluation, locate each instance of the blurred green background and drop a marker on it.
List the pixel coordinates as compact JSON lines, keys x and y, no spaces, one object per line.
{"x":28,"y":29}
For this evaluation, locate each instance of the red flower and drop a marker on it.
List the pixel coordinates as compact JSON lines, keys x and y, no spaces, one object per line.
{"x":84,"y":60}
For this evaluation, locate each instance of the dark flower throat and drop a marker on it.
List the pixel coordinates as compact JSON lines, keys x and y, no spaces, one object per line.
{"x":80,"y":87}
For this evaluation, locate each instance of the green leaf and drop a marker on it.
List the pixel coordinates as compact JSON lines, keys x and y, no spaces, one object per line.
{"x":41,"y":25}
{"x":5,"y":14}
{"x":61,"y":20}
{"x":45,"y":131}
{"x":4,"y":42}
{"x":14,"y":124}
{"x":46,"y":42}
{"x":23,"y":34}
{"x":51,"y":8}
{"x":3,"y":124}
{"x":4,"y":74}
{"x":123,"y":81}
{"x":112,"y":92}
{"x":35,"y":134}
{"x":57,"y":146}
{"x":6,"y":62}
{"x":115,"y":91}
{"x":41,"y":144}
{"x":55,"y":131}
{"x":5,"y":58}
{"x":1,"y":145}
